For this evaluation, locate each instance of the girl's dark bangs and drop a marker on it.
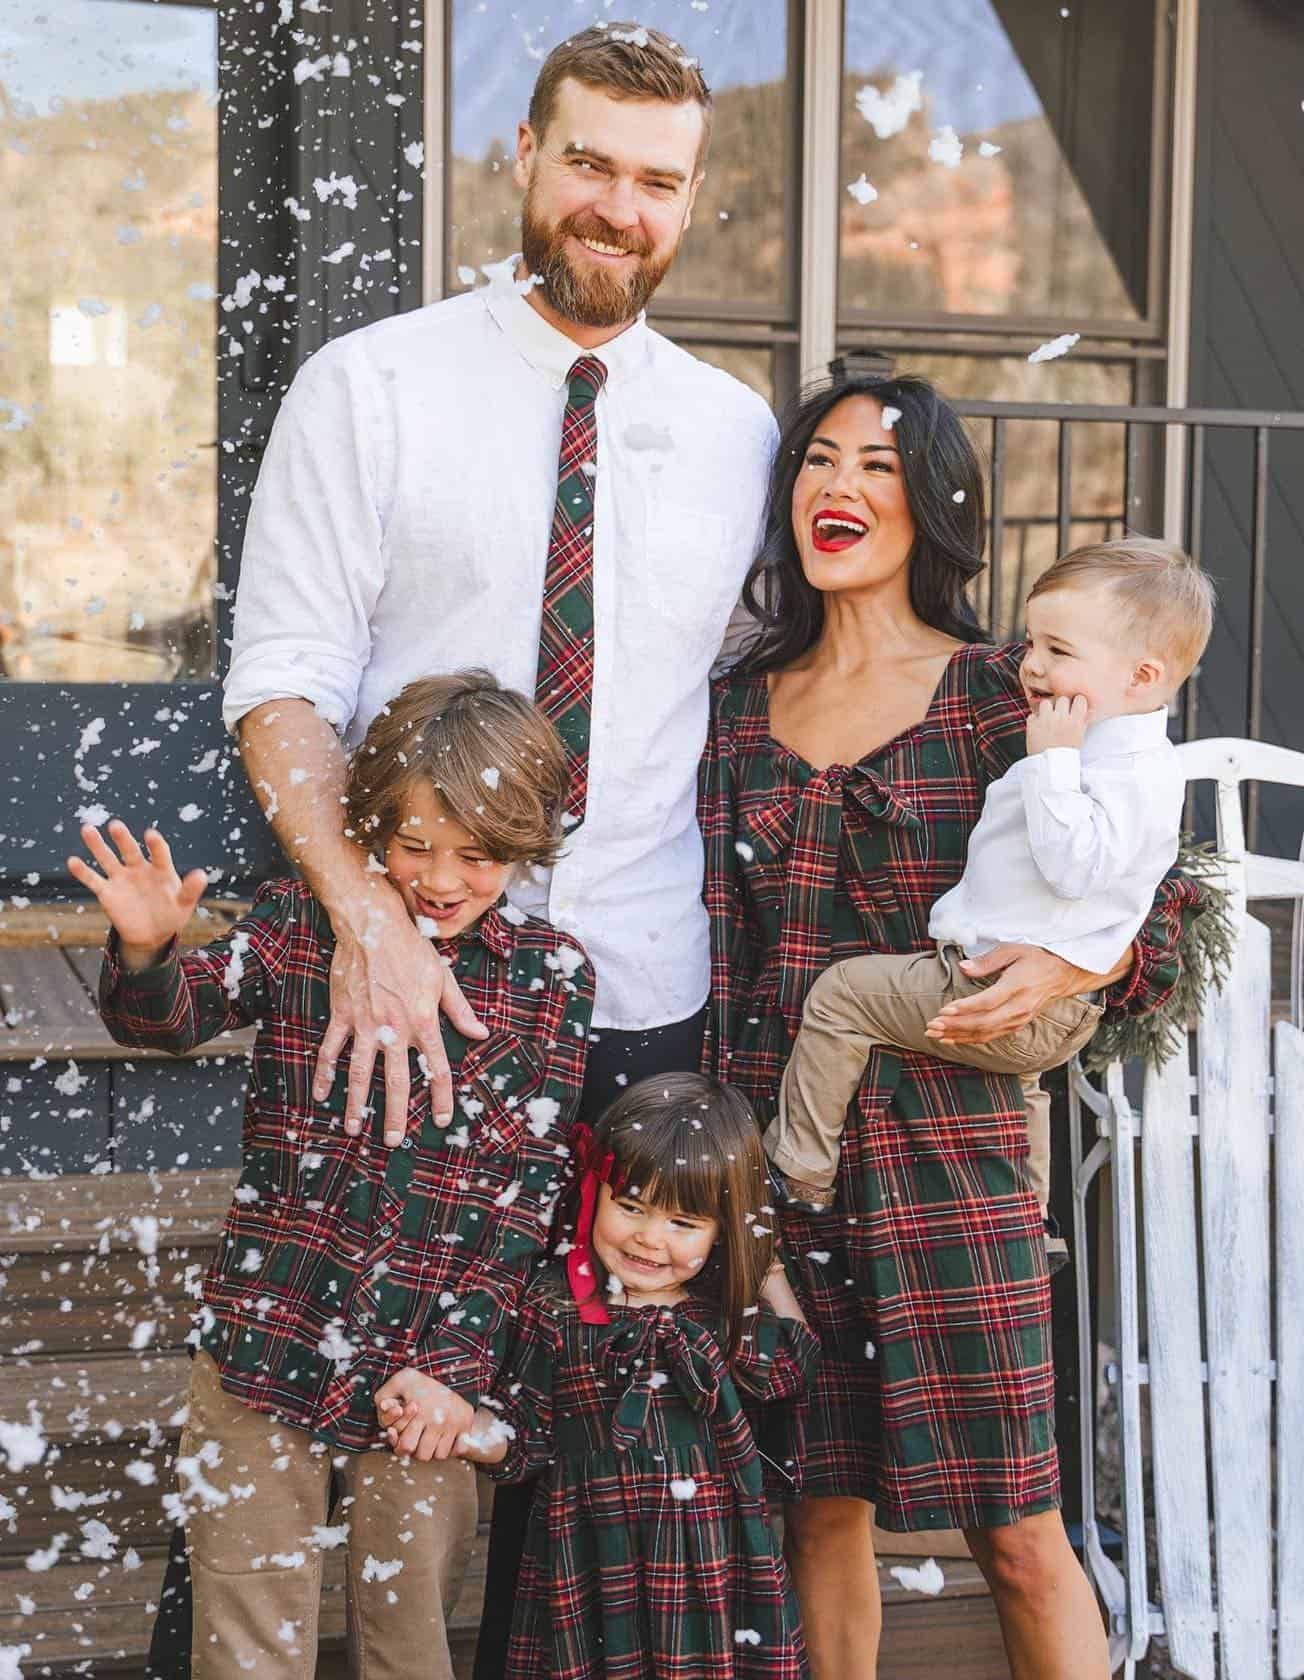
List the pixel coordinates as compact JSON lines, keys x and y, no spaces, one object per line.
{"x":683,"y":1171}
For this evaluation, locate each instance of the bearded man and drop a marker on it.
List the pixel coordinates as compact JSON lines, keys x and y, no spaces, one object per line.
{"x":526,"y":478}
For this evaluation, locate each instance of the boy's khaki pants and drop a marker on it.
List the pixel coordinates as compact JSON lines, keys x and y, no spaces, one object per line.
{"x":865,"y":1002}
{"x":255,"y":1490}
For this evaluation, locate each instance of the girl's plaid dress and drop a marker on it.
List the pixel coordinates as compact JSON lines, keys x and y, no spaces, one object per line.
{"x":650,"y":1554}
{"x":926,"y":1282}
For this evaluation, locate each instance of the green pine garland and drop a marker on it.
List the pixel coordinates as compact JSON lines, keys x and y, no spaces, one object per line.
{"x":1206,"y":944}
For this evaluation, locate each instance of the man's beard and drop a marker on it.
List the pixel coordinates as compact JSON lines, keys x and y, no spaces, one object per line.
{"x":596,"y":298}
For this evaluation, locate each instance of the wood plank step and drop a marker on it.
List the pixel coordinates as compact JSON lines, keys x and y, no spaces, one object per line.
{"x":80,"y":1212}
{"x":30,"y":926}
{"x":47,"y":1009}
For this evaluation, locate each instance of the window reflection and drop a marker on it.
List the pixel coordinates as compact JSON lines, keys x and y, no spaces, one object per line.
{"x":108,"y":472}
{"x":735,"y":250}
{"x":996,"y":158}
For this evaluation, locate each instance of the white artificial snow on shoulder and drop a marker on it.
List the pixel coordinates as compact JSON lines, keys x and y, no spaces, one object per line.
{"x":861,"y":190}
{"x":566,"y":959}
{"x":502,"y":279}
{"x":946,"y":147}
{"x":928,"y":1578}
{"x":888,"y":113}
{"x":1054,"y":347}
{"x":233,"y":973}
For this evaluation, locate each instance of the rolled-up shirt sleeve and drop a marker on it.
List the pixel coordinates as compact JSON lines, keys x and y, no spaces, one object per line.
{"x":313,"y":563}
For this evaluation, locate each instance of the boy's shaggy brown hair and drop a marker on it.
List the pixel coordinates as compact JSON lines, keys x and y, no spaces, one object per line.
{"x":492,"y":758}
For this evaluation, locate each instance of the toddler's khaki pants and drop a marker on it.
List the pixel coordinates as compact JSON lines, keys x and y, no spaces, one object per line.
{"x":870,"y":1001}
{"x":256,"y":1489}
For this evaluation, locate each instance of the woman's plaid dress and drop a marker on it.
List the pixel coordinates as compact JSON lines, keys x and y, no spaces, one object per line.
{"x":927,"y":1281}
{"x":650,"y":1554}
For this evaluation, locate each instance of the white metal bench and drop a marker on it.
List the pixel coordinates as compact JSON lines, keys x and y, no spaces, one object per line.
{"x":1207,"y":1193}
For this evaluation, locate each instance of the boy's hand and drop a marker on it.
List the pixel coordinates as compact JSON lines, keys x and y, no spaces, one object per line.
{"x":421,"y":1418}
{"x":1057,"y":723}
{"x":143,"y":896}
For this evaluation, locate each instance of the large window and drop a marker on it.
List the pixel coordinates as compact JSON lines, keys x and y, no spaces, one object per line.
{"x":996,"y":155}
{"x":108,"y":473}
{"x":730,"y":294}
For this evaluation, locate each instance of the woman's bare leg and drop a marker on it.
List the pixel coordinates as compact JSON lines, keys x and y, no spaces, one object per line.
{"x":1050,"y":1621}
{"x":829,"y":1545}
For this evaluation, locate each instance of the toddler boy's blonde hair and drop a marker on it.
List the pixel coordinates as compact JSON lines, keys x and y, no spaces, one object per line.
{"x":1165,"y":601}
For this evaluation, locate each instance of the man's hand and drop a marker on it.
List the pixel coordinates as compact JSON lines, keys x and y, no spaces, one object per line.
{"x":388,"y":986}
{"x":421,"y":1418}
{"x":1030,"y":978}
{"x":143,"y":896}
{"x":1057,"y":723}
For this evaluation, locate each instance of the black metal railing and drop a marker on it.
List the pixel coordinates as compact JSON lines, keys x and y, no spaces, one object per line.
{"x":1139,"y":507}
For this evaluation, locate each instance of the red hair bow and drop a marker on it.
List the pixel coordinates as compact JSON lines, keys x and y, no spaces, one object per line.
{"x":580,"y":1266}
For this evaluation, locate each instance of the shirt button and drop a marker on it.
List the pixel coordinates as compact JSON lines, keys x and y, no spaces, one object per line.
{"x":407,"y":1143}
{"x":387,"y":1230}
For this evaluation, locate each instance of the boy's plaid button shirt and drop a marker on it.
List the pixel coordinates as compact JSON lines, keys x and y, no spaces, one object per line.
{"x":342,"y":1261}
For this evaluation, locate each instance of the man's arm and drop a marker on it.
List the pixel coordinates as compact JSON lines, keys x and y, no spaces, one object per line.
{"x":387,"y":984}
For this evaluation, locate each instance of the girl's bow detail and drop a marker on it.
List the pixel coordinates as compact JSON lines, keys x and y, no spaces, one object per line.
{"x":580,"y":1264}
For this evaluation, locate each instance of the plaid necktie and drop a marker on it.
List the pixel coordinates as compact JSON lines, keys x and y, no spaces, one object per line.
{"x":563,"y":689}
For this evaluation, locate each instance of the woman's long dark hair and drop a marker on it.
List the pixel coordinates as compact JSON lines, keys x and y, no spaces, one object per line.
{"x":938,"y":459}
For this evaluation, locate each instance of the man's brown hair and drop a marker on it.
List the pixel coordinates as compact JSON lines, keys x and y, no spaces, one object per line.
{"x":491,"y":757}
{"x":625,"y":61}
{"x":1165,"y":601}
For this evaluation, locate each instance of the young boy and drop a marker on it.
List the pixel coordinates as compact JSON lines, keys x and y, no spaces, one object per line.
{"x":345,"y":1265}
{"x":1068,"y":852}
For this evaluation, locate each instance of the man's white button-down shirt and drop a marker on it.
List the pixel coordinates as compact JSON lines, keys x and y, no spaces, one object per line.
{"x":400,"y":528}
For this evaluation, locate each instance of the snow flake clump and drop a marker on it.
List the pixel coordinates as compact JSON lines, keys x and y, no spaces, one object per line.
{"x":888,"y":113}
{"x":11,"y":1657}
{"x":190,"y":812}
{"x":890,"y":416}
{"x":374,"y":1570}
{"x":682,"y":1487}
{"x":1054,"y":347}
{"x":234,"y":971}
{"x":928,"y":1578}
{"x":861,"y":190}
{"x":746,"y":1636}
{"x":946,"y":147}
{"x":491,"y":776}
{"x":23,"y":1444}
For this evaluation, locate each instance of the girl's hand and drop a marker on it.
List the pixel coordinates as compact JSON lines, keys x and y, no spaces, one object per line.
{"x":778,"y":1293}
{"x":143,"y":896}
{"x":421,"y":1418}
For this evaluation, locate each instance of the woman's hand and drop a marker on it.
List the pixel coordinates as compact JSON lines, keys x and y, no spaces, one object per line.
{"x":1030,"y":978}
{"x":143,"y":896}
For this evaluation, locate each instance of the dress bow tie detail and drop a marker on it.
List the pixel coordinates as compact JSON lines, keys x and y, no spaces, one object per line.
{"x":646,"y":1351}
{"x":814,"y":823}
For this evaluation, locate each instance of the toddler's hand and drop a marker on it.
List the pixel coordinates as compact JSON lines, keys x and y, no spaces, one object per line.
{"x":421,"y":1418}
{"x":1057,"y":723}
{"x":143,"y":896}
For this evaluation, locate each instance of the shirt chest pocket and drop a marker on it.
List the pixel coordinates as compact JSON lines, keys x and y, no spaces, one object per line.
{"x":497,"y":1096}
{"x":691,"y":578}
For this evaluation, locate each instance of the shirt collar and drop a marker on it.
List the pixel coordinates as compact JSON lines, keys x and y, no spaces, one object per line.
{"x":493,"y":931}
{"x":550,"y":352}
{"x":1142,"y":732}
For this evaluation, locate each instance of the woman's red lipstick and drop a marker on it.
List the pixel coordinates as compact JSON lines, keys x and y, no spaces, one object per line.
{"x":832,"y":532}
